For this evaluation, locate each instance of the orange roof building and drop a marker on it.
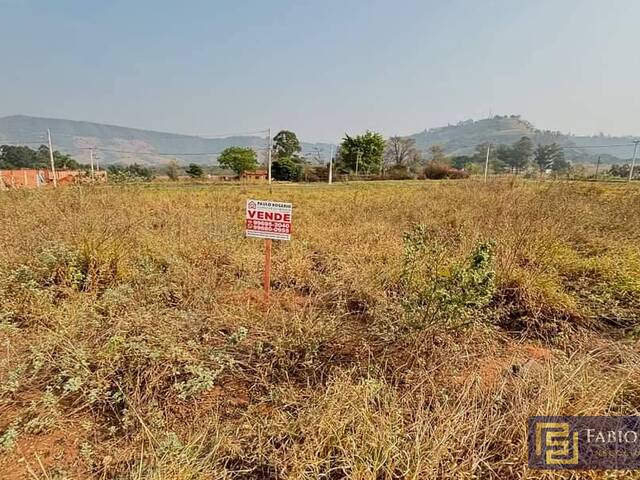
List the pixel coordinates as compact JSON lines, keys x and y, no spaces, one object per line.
{"x":255,"y":176}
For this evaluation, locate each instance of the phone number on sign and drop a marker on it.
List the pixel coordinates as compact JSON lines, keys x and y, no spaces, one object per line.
{"x":266,"y":226}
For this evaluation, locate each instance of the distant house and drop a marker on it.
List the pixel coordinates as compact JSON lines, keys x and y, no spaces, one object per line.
{"x":221,"y":177}
{"x":255,"y":176}
{"x":222,"y":174}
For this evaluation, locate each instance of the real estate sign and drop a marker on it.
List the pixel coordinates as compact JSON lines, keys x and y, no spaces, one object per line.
{"x":267,"y":219}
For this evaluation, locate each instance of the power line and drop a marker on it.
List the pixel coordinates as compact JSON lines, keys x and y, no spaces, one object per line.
{"x":210,"y":136}
{"x":18,"y":144}
{"x":601,"y":146}
{"x":160,"y":154}
{"x":232,"y":134}
{"x":561,"y":146}
{"x":176,"y":154}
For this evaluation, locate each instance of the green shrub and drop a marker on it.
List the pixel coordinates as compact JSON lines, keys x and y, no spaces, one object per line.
{"x":433,"y":290}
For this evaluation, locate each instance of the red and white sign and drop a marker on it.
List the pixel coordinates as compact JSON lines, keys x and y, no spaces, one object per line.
{"x":267,"y":219}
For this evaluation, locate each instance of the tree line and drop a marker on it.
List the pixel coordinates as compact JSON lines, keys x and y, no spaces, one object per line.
{"x":367,"y":154}
{"x":16,"y":157}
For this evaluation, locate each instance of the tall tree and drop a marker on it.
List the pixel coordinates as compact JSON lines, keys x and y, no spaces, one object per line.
{"x":620,"y":170}
{"x":195,"y":171}
{"x":463,"y":161}
{"x":286,"y":169}
{"x":560,"y":165}
{"x":547,"y":155}
{"x":521,"y":154}
{"x":503,"y":155}
{"x":24,"y":157}
{"x":366,"y":151}
{"x":496,"y":156}
{"x":14,"y":157}
{"x":173,"y":170}
{"x":480,"y":153}
{"x":238,"y":159}
{"x":401,"y":152}
{"x":286,"y":144}
{"x":287,"y":165}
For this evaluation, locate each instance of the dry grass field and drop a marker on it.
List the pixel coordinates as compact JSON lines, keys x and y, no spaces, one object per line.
{"x":413,"y":328}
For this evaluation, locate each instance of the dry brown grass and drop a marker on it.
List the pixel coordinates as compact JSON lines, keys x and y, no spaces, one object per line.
{"x":134,"y":344}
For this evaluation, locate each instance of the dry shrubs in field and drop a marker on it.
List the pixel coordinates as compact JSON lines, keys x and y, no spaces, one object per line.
{"x":414,"y":327}
{"x":441,"y":171}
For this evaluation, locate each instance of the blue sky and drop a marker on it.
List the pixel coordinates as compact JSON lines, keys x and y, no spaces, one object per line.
{"x":322,"y":68}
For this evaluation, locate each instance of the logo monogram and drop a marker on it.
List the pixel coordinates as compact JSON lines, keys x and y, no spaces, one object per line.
{"x":558,"y":442}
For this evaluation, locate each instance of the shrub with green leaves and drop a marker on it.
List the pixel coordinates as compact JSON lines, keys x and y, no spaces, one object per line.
{"x":434,"y":290}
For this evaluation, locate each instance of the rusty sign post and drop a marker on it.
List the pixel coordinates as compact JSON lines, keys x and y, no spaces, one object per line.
{"x":270,"y":221}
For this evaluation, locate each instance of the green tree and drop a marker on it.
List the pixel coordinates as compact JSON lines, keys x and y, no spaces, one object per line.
{"x":15,"y":157}
{"x":138,"y":170}
{"x":560,"y":165}
{"x":480,"y":153}
{"x":287,"y":166}
{"x":462,"y":161}
{"x":620,"y":170}
{"x":521,"y":154}
{"x":63,"y":161}
{"x":503,"y":156}
{"x":546,"y":156}
{"x":173,"y":170}
{"x":238,"y":159}
{"x":286,"y":144}
{"x":286,"y":169}
{"x":133,"y":172}
{"x":195,"y":171}
{"x":362,"y":152}
{"x":497,"y":154}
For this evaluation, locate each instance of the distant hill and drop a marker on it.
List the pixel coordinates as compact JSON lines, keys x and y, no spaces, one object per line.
{"x":127,"y":145}
{"x":461,"y":138}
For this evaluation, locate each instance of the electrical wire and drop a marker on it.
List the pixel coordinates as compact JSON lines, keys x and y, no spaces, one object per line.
{"x":175,"y":154}
{"x":166,"y":134}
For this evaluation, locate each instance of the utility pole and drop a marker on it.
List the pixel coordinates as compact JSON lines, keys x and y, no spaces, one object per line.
{"x":92,"y":172}
{"x":330,"y":164}
{"x":633,"y":162}
{"x":486,"y":163}
{"x":269,"y":156}
{"x":358,"y":153}
{"x":597,"y":168}
{"x":53,"y":165}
